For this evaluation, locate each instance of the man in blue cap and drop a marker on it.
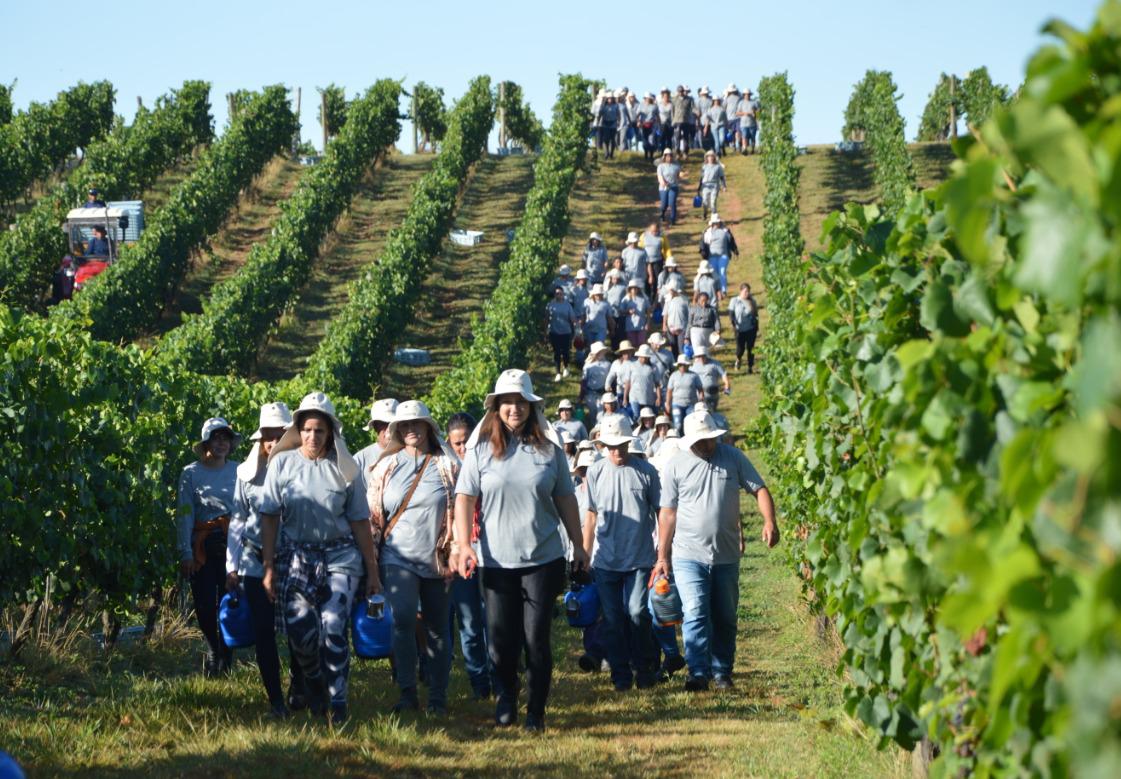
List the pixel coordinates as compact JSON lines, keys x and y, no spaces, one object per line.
{"x":93,"y":199}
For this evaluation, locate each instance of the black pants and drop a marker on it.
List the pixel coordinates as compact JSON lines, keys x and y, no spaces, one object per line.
{"x":746,"y":341}
{"x":519,"y":607}
{"x":208,"y":584}
{"x":676,"y":342}
{"x":608,"y":138}
{"x":264,"y":635}
{"x":562,"y":349}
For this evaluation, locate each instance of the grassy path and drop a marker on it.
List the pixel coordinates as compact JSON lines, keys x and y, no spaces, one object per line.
{"x":377,"y":207}
{"x":248,"y":223}
{"x":462,"y":277}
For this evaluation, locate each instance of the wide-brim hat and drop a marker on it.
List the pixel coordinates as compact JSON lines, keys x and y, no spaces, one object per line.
{"x":731,"y":89}
{"x":681,"y":360}
{"x":635,"y":283}
{"x":667,"y":153}
{"x":567,"y":438}
{"x":514,"y":381}
{"x":581,"y":274}
{"x":700,"y":426}
{"x":704,"y":91}
{"x":594,"y":237}
{"x":597,"y":348}
{"x":710,"y":153}
{"x":412,"y":411}
{"x":632,"y":237}
{"x":700,"y":350}
{"x":273,"y":416}
{"x":586,"y":445}
{"x":209,"y":428}
{"x":647,"y":413}
{"x":624,"y":346}
{"x":644,"y":351}
{"x":715,"y":218}
{"x":609,"y":397}
{"x":565,"y":404}
{"x":671,"y":262}
{"x":585,"y":458}
{"x":662,"y":419}
{"x":656,"y":338}
{"x":565,"y":270}
{"x":615,"y":431}
{"x":382,"y":411}
{"x":319,"y":402}
{"x":597,"y":289}
{"x":704,"y":267}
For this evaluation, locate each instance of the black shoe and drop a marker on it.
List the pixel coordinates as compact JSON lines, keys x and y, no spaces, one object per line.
{"x":534,"y":723}
{"x":696,"y":684}
{"x":588,"y":663}
{"x":225,"y":663}
{"x":338,"y":715}
{"x":723,"y":683}
{"x":480,"y":694}
{"x":279,"y":711}
{"x":408,"y":701}
{"x":506,"y":710}
{"x":297,"y":701}
{"x":317,"y":698}
{"x":210,"y":665}
{"x":673,"y":664}
{"x":661,"y":677}
{"x":437,"y":710}
{"x":645,"y":682}
{"x":623,"y":686}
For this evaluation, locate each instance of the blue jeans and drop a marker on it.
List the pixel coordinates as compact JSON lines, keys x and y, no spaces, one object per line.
{"x":668,"y":199}
{"x":467,"y":605}
{"x":679,"y":414}
{"x":709,"y":597}
{"x":623,"y":598}
{"x":719,"y":263}
{"x":405,"y":591}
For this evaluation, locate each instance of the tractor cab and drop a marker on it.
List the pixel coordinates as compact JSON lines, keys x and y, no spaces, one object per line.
{"x":95,"y":237}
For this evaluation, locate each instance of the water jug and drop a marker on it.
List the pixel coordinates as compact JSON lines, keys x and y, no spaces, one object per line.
{"x":688,"y":350}
{"x":235,"y":621}
{"x":581,"y":605}
{"x":372,"y":628}
{"x":665,"y":603}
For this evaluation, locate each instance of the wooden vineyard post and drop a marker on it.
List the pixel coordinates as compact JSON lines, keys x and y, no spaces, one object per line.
{"x":296,"y":136}
{"x":416,"y":131}
{"x":323,"y":117}
{"x":230,"y":104}
{"x":953,"y":110}
{"x":502,"y":114}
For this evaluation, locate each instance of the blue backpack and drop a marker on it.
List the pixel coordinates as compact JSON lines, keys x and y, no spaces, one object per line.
{"x":235,"y":621}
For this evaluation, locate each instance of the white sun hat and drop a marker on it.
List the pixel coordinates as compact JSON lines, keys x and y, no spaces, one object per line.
{"x":594,"y":237}
{"x":413,"y":411}
{"x":565,"y":270}
{"x":656,"y":338}
{"x":581,"y":274}
{"x":514,"y":381}
{"x":585,"y":458}
{"x":634,"y":283}
{"x":382,"y":411}
{"x":667,"y":153}
{"x":715,"y":341}
{"x":644,"y":351}
{"x":319,"y":402}
{"x":704,"y":267}
{"x":662,"y":419}
{"x":625,"y":346}
{"x":637,"y":448}
{"x":731,"y":88}
{"x":586,"y":446}
{"x":597,"y":289}
{"x":700,"y":426}
{"x":632,"y":237}
{"x":671,"y":262}
{"x":273,"y":416}
{"x":615,"y":431}
{"x":715,"y":218}
{"x":704,"y":91}
{"x":598,"y":348}
{"x":710,"y":153}
{"x":209,"y":428}
{"x":700,"y":407}
{"x":614,"y":273}
{"x":609,"y":397}
{"x":681,"y":360}
{"x":564,"y":404}
{"x":567,"y":437}
{"x":647,"y":413}
{"x":700,"y":350}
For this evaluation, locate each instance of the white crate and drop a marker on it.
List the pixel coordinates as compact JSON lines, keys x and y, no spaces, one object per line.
{"x":466,"y":237}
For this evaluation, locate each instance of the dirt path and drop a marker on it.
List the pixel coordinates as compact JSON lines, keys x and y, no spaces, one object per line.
{"x":377,"y":207}
{"x":462,"y":277}
{"x":249,"y":223}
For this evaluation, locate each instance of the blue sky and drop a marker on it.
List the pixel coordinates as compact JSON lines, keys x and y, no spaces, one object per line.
{"x":145,"y":48}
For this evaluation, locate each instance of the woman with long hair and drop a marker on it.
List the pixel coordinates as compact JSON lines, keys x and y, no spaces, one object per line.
{"x":515,"y":464}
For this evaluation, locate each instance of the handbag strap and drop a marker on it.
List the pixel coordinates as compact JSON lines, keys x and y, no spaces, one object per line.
{"x":408,"y":496}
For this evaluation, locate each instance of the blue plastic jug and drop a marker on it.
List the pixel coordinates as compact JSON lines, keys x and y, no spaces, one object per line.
{"x":688,"y":350}
{"x":235,"y":621}
{"x":665,"y":603}
{"x":698,"y":201}
{"x":581,"y":605}
{"x":371,"y":625}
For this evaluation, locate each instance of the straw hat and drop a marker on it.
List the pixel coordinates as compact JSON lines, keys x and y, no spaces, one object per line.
{"x":209,"y":428}
{"x":319,"y":402}
{"x":382,"y":411}
{"x":614,"y":431}
{"x":625,"y":346}
{"x":700,"y":426}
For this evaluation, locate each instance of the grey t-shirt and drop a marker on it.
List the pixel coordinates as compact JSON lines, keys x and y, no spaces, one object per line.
{"x":577,"y":296}
{"x":246,"y":512}
{"x":712,"y":376}
{"x":574,"y":427}
{"x":315,"y":505}
{"x":719,"y":241}
{"x":634,"y":263}
{"x":684,"y":388}
{"x":731,"y":105}
{"x":625,"y":500}
{"x":614,"y":296}
{"x":706,"y":496}
{"x":520,"y":524}
{"x":643,"y":380}
{"x":670,"y":173}
{"x":712,"y":175}
{"x":677,"y":313}
{"x":204,"y":494}
{"x":617,"y":376}
{"x":652,"y":245}
{"x":561,"y":317}
{"x":365,"y":459}
{"x":595,"y":375}
{"x":716,"y":116}
{"x":595,"y":314}
{"x":595,"y":262}
{"x":637,"y":312}
{"x":744,"y":314}
{"x":413,"y":540}
{"x":705,"y":282}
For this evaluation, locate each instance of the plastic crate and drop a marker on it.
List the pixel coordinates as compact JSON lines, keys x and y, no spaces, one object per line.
{"x":466,"y":237}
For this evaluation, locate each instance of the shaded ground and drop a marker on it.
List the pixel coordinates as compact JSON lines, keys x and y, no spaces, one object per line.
{"x":377,"y":207}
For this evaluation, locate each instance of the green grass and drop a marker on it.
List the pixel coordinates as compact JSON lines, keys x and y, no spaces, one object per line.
{"x":462,"y":277}
{"x":377,"y":207}
{"x":247,"y":224}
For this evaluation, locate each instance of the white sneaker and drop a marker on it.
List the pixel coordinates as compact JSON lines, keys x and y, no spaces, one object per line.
{"x":556,"y":378}
{"x":565,"y":373}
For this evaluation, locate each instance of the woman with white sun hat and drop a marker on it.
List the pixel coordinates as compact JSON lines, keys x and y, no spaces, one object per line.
{"x":594,"y":315}
{"x":312,"y":486}
{"x":516,"y":468}
{"x":411,"y":493}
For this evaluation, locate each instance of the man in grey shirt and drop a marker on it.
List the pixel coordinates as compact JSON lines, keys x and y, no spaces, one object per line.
{"x":669,"y":182}
{"x":381,"y":414}
{"x":675,"y":318}
{"x":700,"y":523}
{"x":623,"y":495}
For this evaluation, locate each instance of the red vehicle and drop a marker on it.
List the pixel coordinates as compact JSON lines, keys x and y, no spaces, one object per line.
{"x":89,"y":253}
